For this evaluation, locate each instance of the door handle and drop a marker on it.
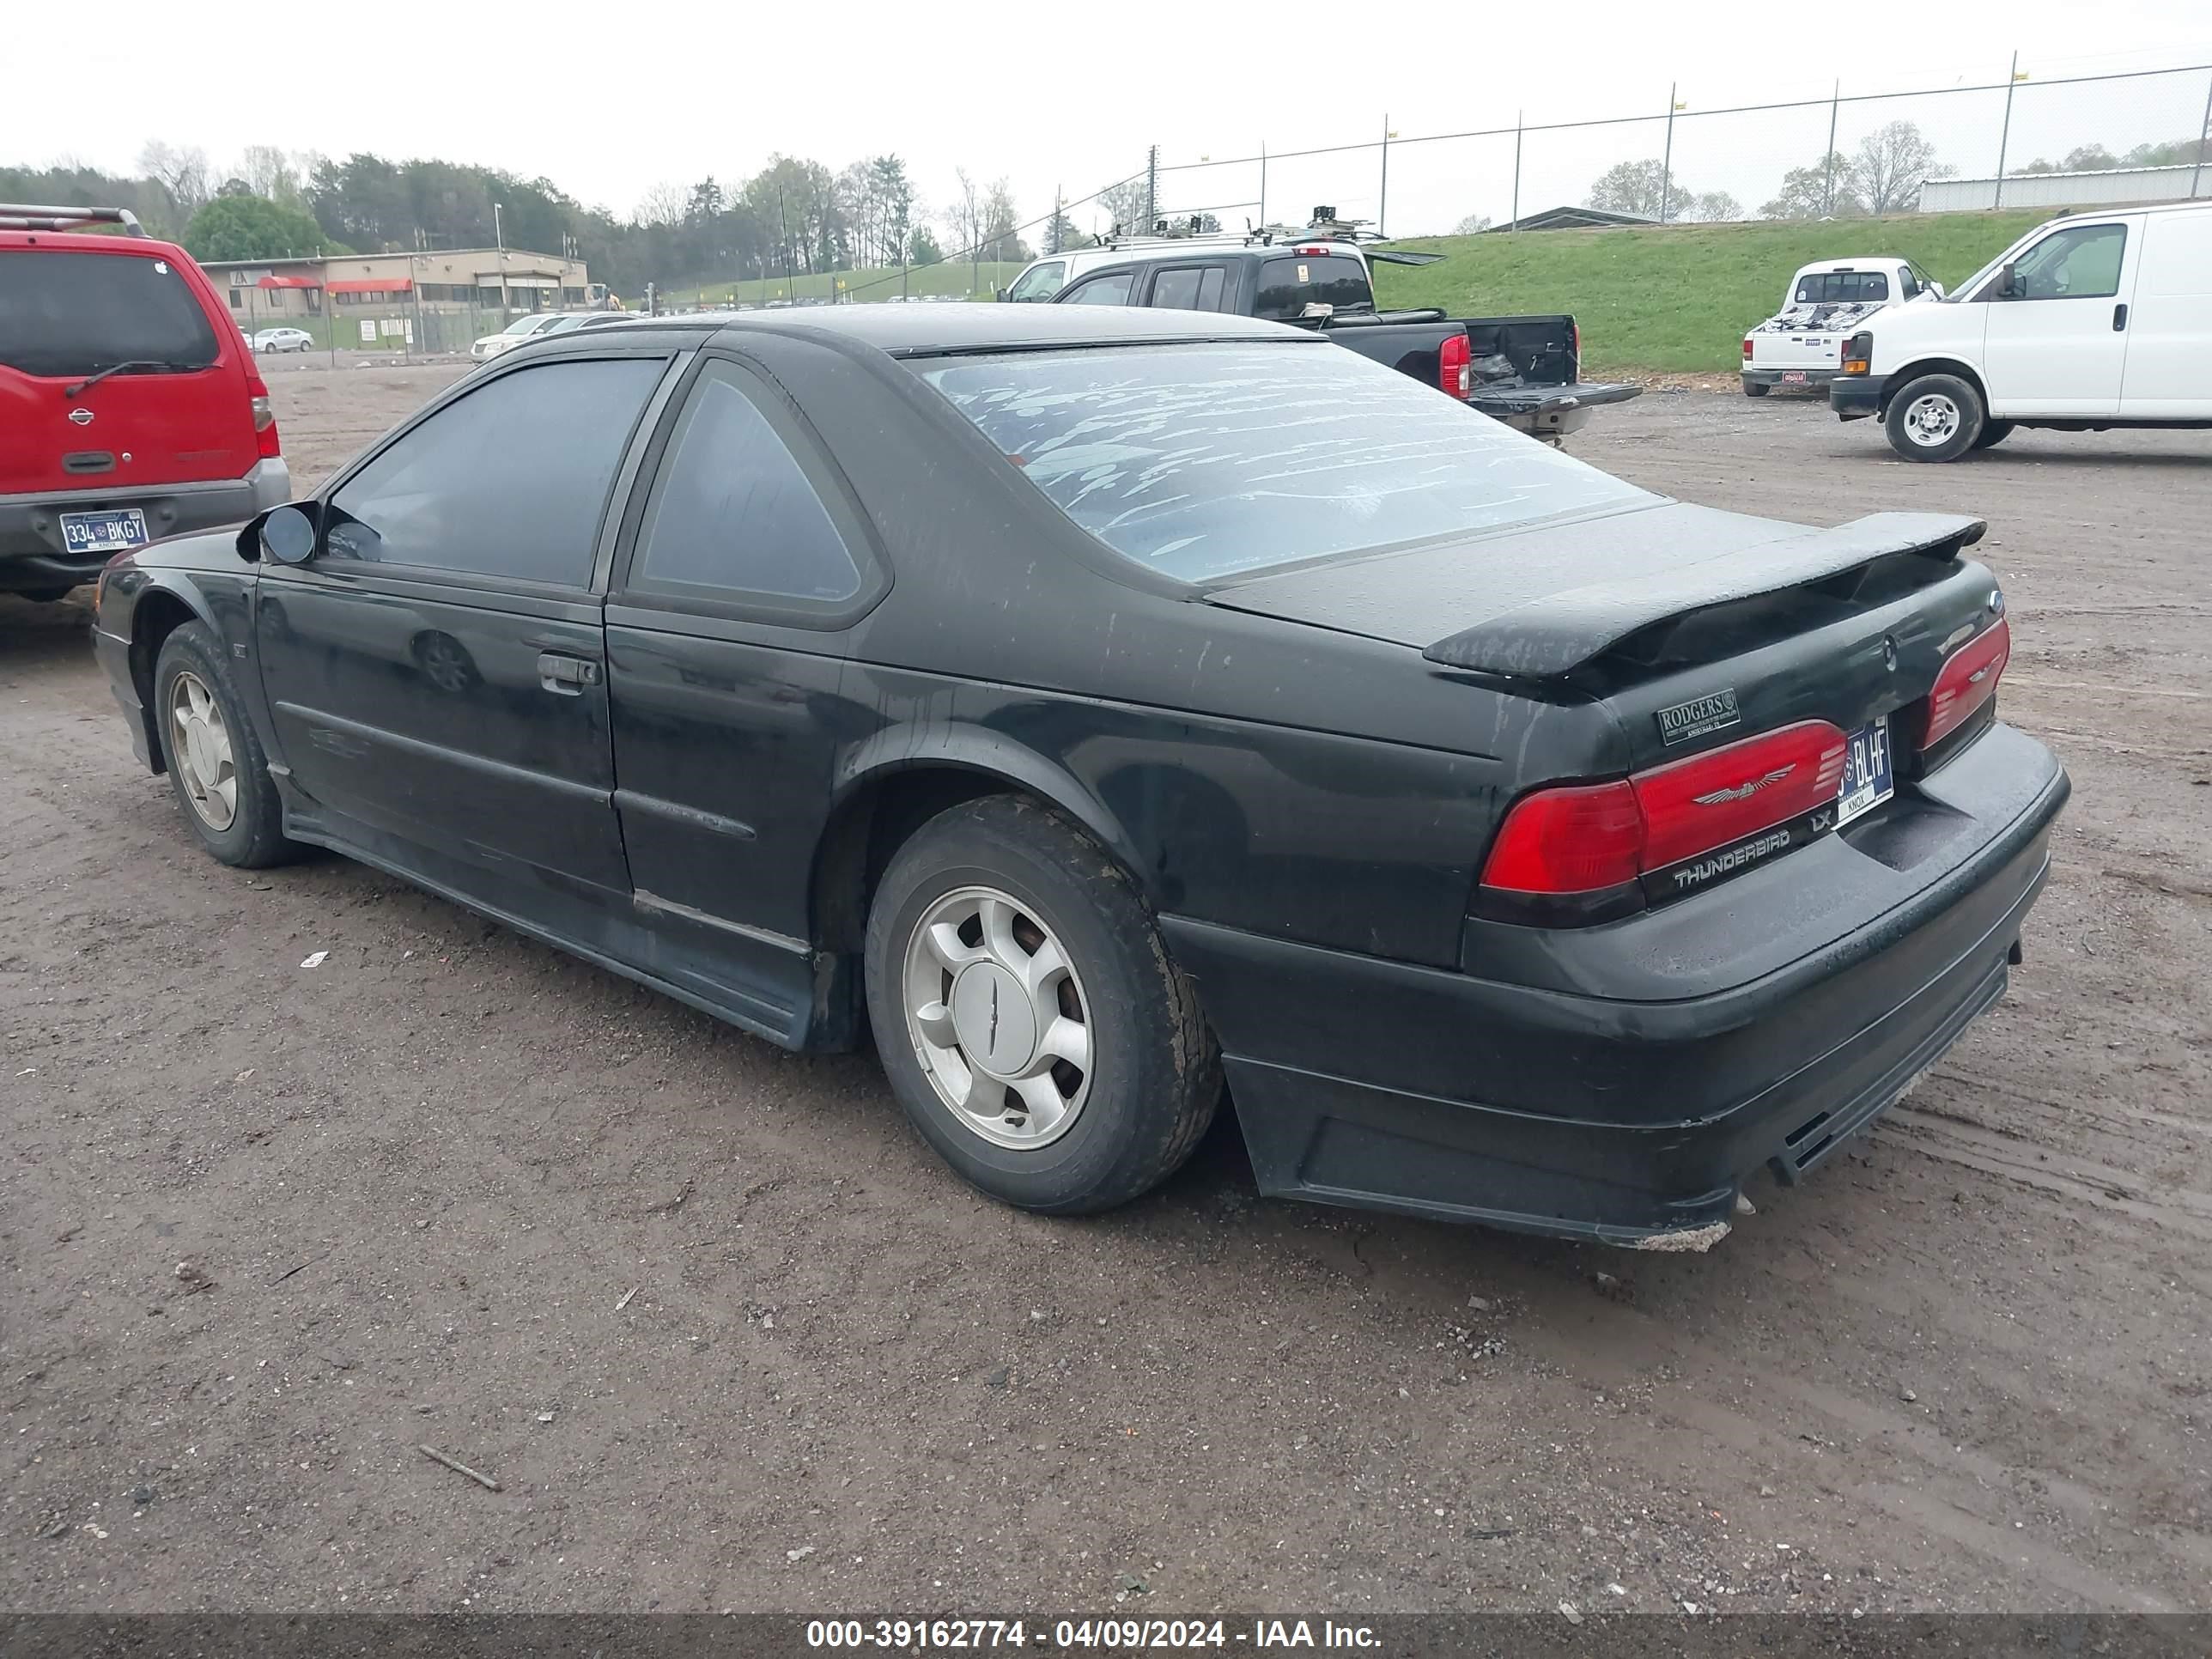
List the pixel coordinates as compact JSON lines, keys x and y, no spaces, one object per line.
{"x":2119,"y":317}
{"x":566,"y":676}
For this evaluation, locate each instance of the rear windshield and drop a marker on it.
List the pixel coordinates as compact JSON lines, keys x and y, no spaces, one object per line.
{"x":1204,"y":460}
{"x":75,"y":313}
{"x":1294,"y":282}
{"x":1831,"y":287}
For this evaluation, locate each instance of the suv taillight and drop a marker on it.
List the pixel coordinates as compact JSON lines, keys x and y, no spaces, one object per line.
{"x":265,"y":415}
{"x":1456,"y":366}
{"x":1968,"y":679}
{"x":1607,"y":848}
{"x":1747,"y":348}
{"x":1858,"y":354}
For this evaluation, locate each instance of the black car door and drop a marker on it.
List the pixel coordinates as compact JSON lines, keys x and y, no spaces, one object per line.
{"x":748,"y":559}
{"x":436,"y":672}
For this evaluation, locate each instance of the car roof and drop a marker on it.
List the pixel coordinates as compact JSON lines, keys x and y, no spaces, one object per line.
{"x":1864,"y":262}
{"x":931,"y":331}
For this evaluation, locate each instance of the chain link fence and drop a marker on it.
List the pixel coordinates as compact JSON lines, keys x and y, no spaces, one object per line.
{"x":2084,"y":140}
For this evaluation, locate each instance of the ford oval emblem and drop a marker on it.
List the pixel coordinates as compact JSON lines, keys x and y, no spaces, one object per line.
{"x":81,"y":417}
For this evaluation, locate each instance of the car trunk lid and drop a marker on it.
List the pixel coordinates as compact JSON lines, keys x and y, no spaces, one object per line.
{"x":180,"y":410}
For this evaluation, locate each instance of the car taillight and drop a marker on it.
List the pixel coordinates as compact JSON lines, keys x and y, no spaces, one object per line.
{"x":1747,"y":348}
{"x":1968,"y":679}
{"x":1586,"y":840}
{"x":1858,"y":354}
{"x":265,"y":415}
{"x":1694,"y":805}
{"x":1455,"y":366}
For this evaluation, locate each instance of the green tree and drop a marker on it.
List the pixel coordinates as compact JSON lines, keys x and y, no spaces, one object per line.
{"x":238,"y":225}
{"x":922,"y":248}
{"x":1644,"y":188}
{"x":1821,"y":190}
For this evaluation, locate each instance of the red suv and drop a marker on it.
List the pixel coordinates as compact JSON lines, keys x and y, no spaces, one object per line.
{"x":130,"y":406}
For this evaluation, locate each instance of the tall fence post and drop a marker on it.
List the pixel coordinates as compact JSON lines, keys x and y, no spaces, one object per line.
{"x":1514,"y":225}
{"x":1667,"y":160}
{"x":2004,"y":134}
{"x":1382,"y":206}
{"x":2204,"y":129}
{"x":1828,"y":190}
{"x":1151,"y":190}
{"x":1263,"y":183}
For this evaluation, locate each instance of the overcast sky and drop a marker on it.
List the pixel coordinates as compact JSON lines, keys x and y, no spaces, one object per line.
{"x":607,"y":103}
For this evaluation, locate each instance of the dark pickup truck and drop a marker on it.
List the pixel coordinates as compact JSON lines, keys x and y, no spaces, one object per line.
{"x":1524,"y":371}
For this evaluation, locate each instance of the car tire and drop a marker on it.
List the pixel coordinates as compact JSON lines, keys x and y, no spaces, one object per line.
{"x":1993,"y":433}
{"x":216,"y":764}
{"x":1936,"y":417}
{"x":985,"y":902}
{"x":1756,"y":388}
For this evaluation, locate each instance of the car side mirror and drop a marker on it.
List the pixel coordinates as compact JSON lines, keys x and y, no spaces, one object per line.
{"x":287,"y":536}
{"x":1936,"y":288}
{"x":2008,"y":283}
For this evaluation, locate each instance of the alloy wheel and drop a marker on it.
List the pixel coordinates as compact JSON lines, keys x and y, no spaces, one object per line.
{"x":200,"y":748}
{"x":998,"y":1018}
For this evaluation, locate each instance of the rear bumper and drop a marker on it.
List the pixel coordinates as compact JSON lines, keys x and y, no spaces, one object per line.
{"x":1855,"y":396}
{"x":1626,"y":1120}
{"x":1805,"y":377}
{"x":34,"y":555}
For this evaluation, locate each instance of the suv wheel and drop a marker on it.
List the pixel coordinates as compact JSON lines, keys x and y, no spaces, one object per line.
{"x":1028,"y":1015}
{"x":1936,"y":417}
{"x":1756,"y":388}
{"x":213,"y":757}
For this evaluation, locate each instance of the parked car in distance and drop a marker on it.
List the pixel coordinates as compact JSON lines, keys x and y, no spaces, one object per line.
{"x":130,"y":406}
{"x":2089,"y":322}
{"x":1802,"y":344}
{"x":521,"y":329}
{"x":283,"y":339}
{"x":1091,"y":700}
{"x":1524,"y":371}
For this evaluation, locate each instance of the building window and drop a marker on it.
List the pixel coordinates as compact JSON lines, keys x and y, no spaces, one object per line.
{"x":237,"y":299}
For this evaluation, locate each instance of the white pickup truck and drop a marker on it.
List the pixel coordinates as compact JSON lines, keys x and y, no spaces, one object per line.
{"x":1802,"y":344}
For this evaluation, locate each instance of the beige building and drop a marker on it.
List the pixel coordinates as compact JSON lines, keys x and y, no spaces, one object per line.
{"x":506,"y":282}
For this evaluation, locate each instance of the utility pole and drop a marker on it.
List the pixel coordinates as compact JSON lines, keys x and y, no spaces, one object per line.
{"x":2004,"y":135}
{"x":1055,"y":248}
{"x":1382,"y":202}
{"x":1151,"y":190}
{"x":2203,"y":128}
{"x":499,"y":240}
{"x":1514,"y":226}
{"x":1828,"y":190}
{"x":1666,"y":162}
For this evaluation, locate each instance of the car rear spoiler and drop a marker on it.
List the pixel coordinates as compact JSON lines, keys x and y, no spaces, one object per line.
{"x":1557,"y":633}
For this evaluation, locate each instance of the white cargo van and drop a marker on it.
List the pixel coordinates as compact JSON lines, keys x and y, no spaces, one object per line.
{"x":2090,"y":321}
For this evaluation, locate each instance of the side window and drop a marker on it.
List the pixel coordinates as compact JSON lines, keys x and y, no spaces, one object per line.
{"x":1209,"y":288}
{"x":733,"y":512}
{"x":1176,"y":289}
{"x":509,"y":481}
{"x":2082,"y":263}
{"x":1039,"y":281}
{"x":1113,"y":290}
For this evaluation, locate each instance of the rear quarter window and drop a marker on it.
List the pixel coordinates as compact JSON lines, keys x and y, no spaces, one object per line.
{"x":75,"y":313}
{"x":1291,"y":283}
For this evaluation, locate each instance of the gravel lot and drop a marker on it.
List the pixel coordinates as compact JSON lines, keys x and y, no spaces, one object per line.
{"x":1965,"y":1367}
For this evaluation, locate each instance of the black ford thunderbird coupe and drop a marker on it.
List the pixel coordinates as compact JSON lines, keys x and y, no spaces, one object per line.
{"x":1096,"y":704}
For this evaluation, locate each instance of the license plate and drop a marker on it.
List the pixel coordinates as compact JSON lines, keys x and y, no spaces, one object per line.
{"x":104,"y":532}
{"x":1869,"y":773}
{"x":1793,"y":377}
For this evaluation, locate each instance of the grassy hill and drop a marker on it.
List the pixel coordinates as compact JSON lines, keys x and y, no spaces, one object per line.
{"x":1677,"y":300}
{"x":962,"y":279}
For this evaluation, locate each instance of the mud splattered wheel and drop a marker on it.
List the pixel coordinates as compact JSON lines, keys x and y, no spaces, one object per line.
{"x":1028,"y":1015}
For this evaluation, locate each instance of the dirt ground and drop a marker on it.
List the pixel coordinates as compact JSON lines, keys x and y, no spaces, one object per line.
{"x":730,"y":1337}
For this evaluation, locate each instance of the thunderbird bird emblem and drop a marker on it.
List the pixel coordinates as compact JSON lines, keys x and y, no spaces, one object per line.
{"x":1746,"y":790}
